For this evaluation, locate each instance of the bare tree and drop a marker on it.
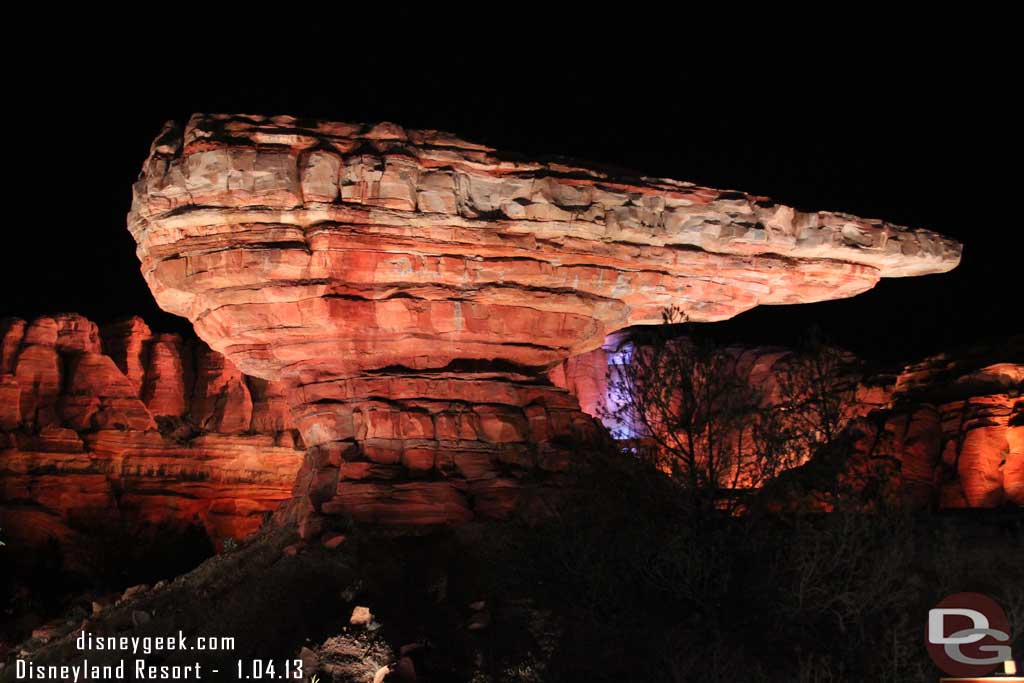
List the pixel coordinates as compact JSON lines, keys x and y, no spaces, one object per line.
{"x":818,"y":385}
{"x":695,"y":408}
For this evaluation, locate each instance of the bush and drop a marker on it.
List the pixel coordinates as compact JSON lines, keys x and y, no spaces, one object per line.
{"x":629,"y":585}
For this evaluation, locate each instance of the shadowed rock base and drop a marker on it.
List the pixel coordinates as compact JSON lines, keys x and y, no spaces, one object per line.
{"x":419,"y":449}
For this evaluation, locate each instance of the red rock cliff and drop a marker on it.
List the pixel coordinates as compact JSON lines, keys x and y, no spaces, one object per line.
{"x":409,"y":290}
{"x":123,"y":425}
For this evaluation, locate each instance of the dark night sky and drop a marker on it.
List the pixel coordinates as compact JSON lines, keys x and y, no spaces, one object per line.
{"x":919,"y":134}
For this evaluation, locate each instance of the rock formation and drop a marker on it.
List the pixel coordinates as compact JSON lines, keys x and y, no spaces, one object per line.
{"x":123,"y":425}
{"x":409,"y":289}
{"x":948,"y":431}
{"x":956,"y":425}
{"x":114,"y":427}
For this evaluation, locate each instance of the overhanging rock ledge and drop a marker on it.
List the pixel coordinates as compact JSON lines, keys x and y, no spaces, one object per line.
{"x":409,"y":289}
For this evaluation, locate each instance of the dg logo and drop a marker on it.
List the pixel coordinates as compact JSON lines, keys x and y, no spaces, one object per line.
{"x":968,"y":635}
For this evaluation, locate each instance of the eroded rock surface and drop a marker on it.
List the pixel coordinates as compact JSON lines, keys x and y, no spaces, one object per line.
{"x":957,"y":422}
{"x":410,"y":289}
{"x":111,"y":428}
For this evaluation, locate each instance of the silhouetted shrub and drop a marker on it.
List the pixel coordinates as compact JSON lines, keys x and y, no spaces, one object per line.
{"x":624,"y":583}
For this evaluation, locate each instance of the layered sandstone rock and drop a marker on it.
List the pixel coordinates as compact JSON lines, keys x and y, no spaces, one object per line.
{"x":127,"y":343}
{"x":164,"y":388}
{"x":102,"y":429}
{"x":964,"y":414}
{"x":410,"y":289}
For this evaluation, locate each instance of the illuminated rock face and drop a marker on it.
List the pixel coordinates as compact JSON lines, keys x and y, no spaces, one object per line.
{"x":410,"y":289}
{"x":957,"y":423}
{"x":118,"y":427}
{"x":952,"y":426}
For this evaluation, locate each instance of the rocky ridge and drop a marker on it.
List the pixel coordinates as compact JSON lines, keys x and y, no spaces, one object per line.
{"x":119,"y":425}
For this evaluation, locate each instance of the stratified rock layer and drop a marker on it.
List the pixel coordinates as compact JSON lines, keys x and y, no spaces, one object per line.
{"x":956,"y":426}
{"x":110,"y":428}
{"x":409,"y":289}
